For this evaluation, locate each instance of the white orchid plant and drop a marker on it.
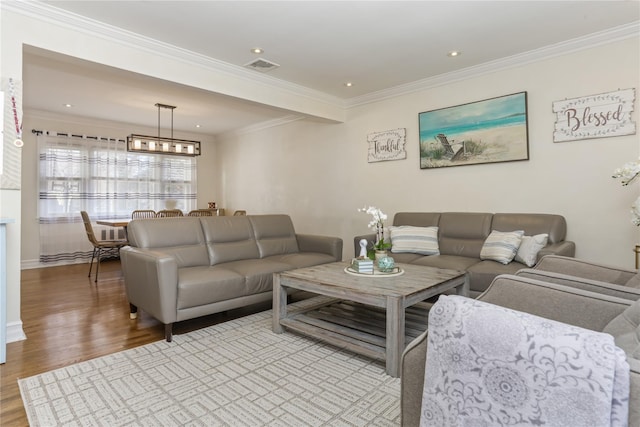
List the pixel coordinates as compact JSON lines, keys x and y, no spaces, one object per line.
{"x":628,"y":173}
{"x":377,"y":223}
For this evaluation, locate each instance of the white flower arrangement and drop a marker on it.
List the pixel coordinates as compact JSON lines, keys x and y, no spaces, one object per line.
{"x":627,"y":174}
{"x":377,"y":223}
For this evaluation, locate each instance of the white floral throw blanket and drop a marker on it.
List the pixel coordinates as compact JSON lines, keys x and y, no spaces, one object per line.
{"x":491,"y":366}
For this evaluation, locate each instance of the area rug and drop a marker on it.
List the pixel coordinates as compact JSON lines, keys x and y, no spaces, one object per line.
{"x":237,"y":373}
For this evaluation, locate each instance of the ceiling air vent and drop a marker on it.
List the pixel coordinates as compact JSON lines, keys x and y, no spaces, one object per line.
{"x":262,"y":65}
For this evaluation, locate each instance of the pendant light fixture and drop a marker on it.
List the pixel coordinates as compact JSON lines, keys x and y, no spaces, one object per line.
{"x":162,"y":145}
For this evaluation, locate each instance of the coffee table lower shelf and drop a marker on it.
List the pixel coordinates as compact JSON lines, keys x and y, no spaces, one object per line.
{"x":355,"y":327}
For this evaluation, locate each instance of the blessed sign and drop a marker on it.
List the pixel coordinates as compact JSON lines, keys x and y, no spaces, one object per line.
{"x":595,"y":116}
{"x":387,"y":145}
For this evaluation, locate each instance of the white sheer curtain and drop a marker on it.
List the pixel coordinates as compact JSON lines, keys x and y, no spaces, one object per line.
{"x":99,"y":176}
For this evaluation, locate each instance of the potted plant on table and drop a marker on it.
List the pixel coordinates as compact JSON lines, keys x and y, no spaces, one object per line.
{"x":381,"y":245}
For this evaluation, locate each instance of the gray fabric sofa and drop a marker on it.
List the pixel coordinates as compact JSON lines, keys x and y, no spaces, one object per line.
{"x":596,"y":311}
{"x":181,"y":268}
{"x":461,"y":236}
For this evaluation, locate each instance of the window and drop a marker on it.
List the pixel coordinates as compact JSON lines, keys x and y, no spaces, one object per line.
{"x":99,"y":176}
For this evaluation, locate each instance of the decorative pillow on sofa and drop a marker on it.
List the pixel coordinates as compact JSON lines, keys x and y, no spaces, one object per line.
{"x":417,"y":240}
{"x":529,"y":248}
{"x":501,"y":246}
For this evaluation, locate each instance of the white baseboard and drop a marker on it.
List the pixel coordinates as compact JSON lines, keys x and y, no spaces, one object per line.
{"x":15,"y":332}
{"x":34,"y":263}
{"x":29,"y":263}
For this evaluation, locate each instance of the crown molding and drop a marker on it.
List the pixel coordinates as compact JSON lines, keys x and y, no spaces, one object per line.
{"x":260,"y":126}
{"x":63,"y":18}
{"x":47,"y":13}
{"x":567,"y":47}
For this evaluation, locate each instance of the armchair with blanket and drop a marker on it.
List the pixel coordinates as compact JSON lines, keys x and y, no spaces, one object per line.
{"x":594,"y":311}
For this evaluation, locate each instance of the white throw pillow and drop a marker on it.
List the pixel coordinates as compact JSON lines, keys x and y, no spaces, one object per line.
{"x":417,"y":240}
{"x":501,"y":246}
{"x":529,"y":248}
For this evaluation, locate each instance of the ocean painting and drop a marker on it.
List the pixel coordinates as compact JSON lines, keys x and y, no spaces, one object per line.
{"x":488,"y":131}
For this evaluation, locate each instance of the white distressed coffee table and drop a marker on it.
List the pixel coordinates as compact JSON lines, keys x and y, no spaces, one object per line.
{"x":366,"y":315}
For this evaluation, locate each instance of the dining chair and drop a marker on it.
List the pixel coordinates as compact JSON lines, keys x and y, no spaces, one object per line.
{"x":143,"y":213}
{"x":201,"y":212}
{"x":169,"y":213}
{"x":240,"y":213}
{"x":98,"y":245}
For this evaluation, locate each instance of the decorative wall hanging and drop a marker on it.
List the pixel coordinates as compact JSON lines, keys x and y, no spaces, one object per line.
{"x":11,"y":144}
{"x":387,"y":145}
{"x":595,"y":116}
{"x":489,"y":131}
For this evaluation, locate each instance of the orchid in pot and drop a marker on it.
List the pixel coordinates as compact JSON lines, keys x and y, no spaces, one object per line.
{"x":377,"y":223}
{"x":627,"y":174}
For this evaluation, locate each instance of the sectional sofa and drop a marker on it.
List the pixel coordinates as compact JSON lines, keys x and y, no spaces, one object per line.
{"x":461,"y":241}
{"x":181,"y":268}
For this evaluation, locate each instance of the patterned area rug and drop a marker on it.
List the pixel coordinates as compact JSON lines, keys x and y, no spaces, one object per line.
{"x":236,"y":373}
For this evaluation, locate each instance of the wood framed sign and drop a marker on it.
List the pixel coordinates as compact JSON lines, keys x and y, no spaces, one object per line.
{"x":595,"y":116}
{"x":387,"y":145}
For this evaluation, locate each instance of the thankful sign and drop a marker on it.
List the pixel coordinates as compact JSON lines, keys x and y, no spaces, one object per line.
{"x":595,"y":116}
{"x":387,"y":145}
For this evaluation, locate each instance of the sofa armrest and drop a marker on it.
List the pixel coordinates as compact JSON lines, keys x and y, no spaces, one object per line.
{"x":321,"y":244}
{"x":370,"y":238}
{"x":565,"y":248}
{"x":581,"y":268}
{"x":414,"y":359}
{"x":151,"y":282}
{"x":597,"y":286}
{"x":565,"y":304}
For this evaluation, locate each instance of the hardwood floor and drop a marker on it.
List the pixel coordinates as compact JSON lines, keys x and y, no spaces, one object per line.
{"x":68,"y":319}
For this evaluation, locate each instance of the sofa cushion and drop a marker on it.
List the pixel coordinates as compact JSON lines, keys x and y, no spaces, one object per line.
{"x":407,"y":258}
{"x":463,"y":233}
{"x":419,"y":240}
{"x":529,"y":248}
{"x":417,"y":219}
{"x":501,"y":246}
{"x":204,"y":285}
{"x":229,"y":238}
{"x":257,"y":273}
{"x":180,"y":237}
{"x":554,"y":225}
{"x":482,"y":274}
{"x":274,"y":234}
{"x":303,"y":259}
{"x":450,"y":262}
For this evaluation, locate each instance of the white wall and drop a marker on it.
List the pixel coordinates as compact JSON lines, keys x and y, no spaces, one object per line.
{"x":319,"y":173}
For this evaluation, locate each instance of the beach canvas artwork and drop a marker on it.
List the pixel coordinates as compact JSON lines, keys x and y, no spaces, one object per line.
{"x":489,"y":131}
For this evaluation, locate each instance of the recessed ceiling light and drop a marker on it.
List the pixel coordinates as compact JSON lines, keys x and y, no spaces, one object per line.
{"x":348,"y":84}
{"x":257,"y":50}
{"x":67,"y":105}
{"x":453,"y":53}
{"x":197,"y":126}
